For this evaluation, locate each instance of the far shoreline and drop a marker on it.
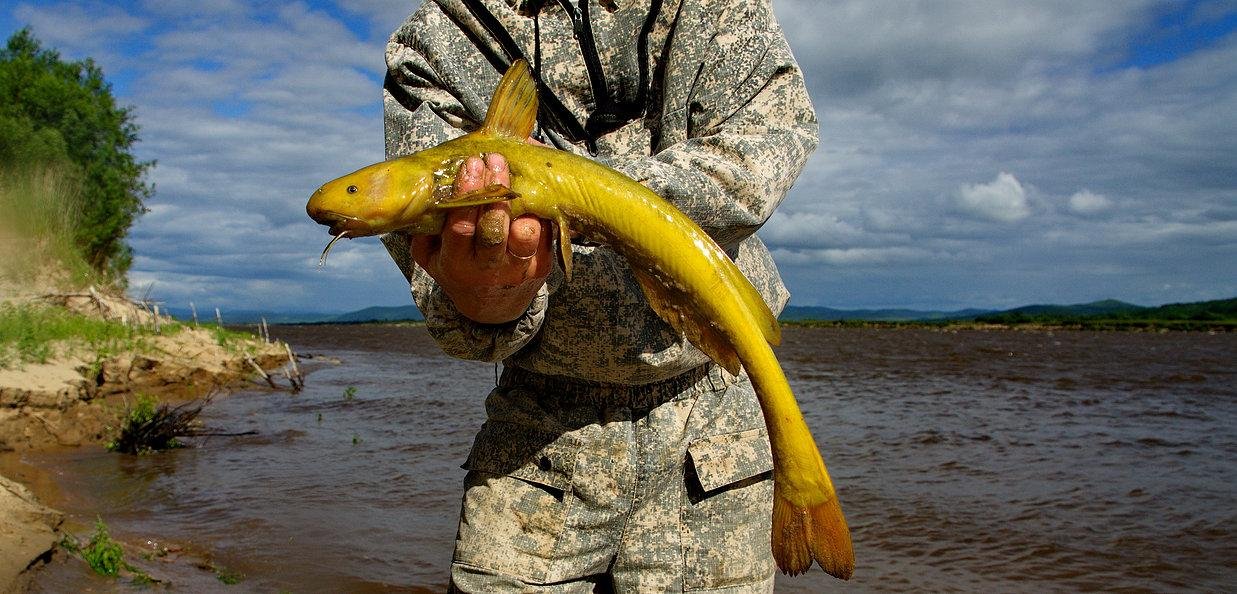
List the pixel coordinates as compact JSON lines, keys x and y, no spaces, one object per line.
{"x":1038,"y":326}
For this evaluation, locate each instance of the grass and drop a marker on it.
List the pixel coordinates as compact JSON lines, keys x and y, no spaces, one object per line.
{"x":236,"y":342}
{"x":40,"y":208}
{"x":29,"y":334}
{"x":228,"y":577}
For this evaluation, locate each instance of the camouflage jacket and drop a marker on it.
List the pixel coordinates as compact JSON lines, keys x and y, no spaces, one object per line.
{"x":721,"y":126}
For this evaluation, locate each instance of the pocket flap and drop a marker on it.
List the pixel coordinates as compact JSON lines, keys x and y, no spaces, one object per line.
{"x":525,"y":453}
{"x":730,"y":457}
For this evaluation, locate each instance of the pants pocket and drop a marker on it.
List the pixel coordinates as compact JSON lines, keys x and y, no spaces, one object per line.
{"x":516,"y":500}
{"x":727,"y":511}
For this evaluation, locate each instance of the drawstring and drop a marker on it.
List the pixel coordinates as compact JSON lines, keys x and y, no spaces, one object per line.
{"x":607,"y":115}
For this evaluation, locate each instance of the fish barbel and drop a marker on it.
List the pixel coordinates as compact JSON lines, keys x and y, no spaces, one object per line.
{"x":689,"y":281}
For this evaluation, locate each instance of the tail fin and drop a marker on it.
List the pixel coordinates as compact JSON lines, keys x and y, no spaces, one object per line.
{"x":801,"y":534}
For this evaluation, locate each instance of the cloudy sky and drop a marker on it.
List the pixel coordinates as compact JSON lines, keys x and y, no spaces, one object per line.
{"x":985,"y":153}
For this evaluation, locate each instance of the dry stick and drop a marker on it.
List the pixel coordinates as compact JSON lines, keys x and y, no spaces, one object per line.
{"x":262,"y":372}
{"x":157,"y":318}
{"x":195,"y":314}
{"x":297,"y":379}
{"x":218,"y":318}
{"x":266,"y":332}
{"x":98,"y":301}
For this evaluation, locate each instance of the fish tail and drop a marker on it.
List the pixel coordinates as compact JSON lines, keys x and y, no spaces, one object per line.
{"x":803,"y":534}
{"x":808,"y":524}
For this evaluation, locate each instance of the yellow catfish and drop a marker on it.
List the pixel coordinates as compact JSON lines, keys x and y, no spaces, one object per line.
{"x":688,"y":280}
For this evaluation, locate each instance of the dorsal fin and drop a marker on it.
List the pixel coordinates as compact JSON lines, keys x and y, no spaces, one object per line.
{"x":513,"y":111}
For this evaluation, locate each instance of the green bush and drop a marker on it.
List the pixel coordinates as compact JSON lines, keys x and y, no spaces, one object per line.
{"x":149,"y":426}
{"x":62,"y":114}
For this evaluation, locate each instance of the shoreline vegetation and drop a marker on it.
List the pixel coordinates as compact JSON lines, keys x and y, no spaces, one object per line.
{"x":1108,"y":314}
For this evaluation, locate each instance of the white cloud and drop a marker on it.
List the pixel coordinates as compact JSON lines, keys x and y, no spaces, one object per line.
{"x":853,"y":257}
{"x":1088,"y":202}
{"x":1003,"y":199}
{"x":75,"y":24}
{"x":81,"y":30}
{"x":1127,"y":170}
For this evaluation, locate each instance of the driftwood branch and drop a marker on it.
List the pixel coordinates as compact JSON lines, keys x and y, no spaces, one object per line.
{"x":262,"y":372}
{"x":295,"y":377}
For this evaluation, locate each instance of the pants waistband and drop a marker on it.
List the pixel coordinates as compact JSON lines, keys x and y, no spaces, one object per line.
{"x":571,"y":390}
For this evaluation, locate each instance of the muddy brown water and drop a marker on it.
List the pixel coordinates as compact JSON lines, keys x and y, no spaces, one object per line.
{"x":973,"y":461}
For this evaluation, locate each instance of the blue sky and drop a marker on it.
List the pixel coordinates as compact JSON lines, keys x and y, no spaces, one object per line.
{"x":973,"y":153}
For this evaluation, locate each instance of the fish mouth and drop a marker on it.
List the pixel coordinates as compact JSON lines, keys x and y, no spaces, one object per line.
{"x":339,"y":222}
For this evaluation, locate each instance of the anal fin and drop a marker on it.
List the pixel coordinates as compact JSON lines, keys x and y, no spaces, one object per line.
{"x":674,"y":307}
{"x":564,"y":246}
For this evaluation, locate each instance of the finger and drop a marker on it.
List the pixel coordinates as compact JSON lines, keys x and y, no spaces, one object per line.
{"x":458,"y":232}
{"x":492,"y":228}
{"x":461,"y":223}
{"x":525,"y":236}
{"x":500,"y":172}
{"x":471,"y":176}
{"x":491,"y":240}
{"x":422,"y":249}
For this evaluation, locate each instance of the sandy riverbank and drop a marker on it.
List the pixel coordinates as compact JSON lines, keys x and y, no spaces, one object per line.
{"x":74,"y":397}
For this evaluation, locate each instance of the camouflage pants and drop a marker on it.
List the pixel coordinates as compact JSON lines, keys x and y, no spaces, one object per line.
{"x":577,"y":487}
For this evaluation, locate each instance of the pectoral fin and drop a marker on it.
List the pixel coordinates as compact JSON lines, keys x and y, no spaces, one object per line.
{"x":674,"y":307}
{"x":487,"y":195}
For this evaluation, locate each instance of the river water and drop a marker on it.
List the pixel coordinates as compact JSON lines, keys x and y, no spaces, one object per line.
{"x":969,"y":460}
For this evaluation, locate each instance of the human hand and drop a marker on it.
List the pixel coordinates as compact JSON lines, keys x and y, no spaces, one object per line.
{"x":489,"y":264}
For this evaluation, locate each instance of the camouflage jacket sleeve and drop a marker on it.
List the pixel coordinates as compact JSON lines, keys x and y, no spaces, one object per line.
{"x":439,"y":117}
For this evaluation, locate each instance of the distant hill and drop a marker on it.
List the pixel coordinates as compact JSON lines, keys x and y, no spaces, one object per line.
{"x":400,"y":313}
{"x":249,"y":316}
{"x":794,"y":313}
{"x":1221,"y":309}
{"x":1095,"y":308}
{"x":1104,"y":314}
{"x":1112,"y":313}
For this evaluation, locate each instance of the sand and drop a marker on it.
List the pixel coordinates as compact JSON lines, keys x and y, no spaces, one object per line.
{"x":73,"y":398}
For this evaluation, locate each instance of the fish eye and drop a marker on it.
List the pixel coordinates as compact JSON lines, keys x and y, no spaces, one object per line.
{"x":351,"y":189}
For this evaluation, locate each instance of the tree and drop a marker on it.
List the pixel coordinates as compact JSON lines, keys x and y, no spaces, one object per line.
{"x":61,"y":111}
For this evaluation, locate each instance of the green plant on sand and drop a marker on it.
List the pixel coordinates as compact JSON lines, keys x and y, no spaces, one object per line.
{"x":103,"y":554}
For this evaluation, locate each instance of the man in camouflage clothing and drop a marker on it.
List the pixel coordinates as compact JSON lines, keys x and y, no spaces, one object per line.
{"x":616,"y":456}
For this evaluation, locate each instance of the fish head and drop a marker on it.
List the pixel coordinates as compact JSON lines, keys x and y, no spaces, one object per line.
{"x":377,"y":199}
